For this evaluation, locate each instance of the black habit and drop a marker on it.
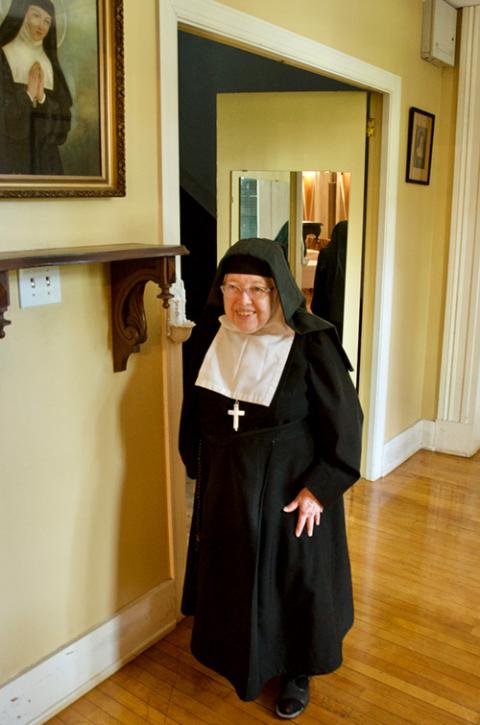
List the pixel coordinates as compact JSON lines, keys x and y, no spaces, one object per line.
{"x":264,"y":601}
{"x":328,"y":299}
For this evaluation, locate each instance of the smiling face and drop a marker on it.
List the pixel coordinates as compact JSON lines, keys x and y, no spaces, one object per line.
{"x":248,"y":314}
{"x":38,"y":22}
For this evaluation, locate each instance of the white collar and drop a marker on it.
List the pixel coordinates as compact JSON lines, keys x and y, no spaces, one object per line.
{"x":22,"y":52}
{"x":247,"y":366}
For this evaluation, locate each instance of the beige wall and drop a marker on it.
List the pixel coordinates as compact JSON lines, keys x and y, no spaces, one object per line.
{"x":83,"y":527}
{"x":387,"y":35}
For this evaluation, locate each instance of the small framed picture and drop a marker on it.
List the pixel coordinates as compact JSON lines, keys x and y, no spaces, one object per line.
{"x":61,"y":98}
{"x":420,"y":145}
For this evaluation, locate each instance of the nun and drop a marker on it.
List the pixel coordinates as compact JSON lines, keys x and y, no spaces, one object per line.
{"x":35,"y":101}
{"x":271,"y":431}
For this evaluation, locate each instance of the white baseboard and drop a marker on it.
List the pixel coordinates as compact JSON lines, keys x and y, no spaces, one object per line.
{"x":36,"y":695}
{"x":441,"y":436}
{"x":460,"y":439}
{"x":404,"y":445}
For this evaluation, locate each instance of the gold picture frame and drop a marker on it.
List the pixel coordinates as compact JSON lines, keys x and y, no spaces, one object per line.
{"x":420,"y":146}
{"x":62,"y":118}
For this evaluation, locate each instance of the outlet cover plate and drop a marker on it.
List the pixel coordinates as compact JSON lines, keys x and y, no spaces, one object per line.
{"x":39,"y":286}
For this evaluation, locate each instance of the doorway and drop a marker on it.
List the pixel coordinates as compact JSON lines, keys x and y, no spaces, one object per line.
{"x":269,"y":40}
{"x":208,"y":69}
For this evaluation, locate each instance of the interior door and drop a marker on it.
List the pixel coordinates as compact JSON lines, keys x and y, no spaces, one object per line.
{"x":293,"y":132}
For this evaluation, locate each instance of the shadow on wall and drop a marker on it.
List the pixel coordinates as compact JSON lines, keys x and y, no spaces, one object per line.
{"x":126,"y":505}
{"x":142,"y":544}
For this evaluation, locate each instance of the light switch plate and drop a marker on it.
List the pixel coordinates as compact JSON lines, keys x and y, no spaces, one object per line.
{"x":39,"y":286}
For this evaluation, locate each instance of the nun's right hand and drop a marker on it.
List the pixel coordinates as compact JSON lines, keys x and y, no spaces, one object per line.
{"x":309,"y":511}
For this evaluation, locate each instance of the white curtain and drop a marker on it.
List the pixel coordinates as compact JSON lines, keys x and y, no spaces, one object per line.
{"x":318,"y":188}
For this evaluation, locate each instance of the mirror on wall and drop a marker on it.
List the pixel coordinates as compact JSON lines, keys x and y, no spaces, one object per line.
{"x":306,"y":212}
{"x":261,"y":203}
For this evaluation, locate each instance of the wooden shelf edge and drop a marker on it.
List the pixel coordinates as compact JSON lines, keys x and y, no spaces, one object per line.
{"x":131,"y":267}
{"x":86,"y":255}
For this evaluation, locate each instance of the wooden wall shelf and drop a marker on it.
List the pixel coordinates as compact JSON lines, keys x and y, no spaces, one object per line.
{"x":131,"y":267}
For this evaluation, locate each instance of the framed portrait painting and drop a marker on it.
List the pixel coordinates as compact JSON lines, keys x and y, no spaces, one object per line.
{"x":420,"y":146}
{"x":61,"y":98}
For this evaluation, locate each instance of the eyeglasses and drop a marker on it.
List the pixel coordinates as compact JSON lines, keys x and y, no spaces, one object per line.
{"x":254,"y":293}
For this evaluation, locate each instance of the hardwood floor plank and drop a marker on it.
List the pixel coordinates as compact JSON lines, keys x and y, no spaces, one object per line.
{"x":401,"y":704}
{"x":144,"y":685}
{"x":87,"y":712}
{"x":150,"y":710}
{"x":114,"y":708}
{"x":343,"y":697}
{"x":435,"y":676}
{"x":421,"y":694}
{"x":418,"y":676}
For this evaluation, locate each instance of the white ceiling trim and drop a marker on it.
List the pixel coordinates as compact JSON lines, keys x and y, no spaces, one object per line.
{"x":462,"y":3}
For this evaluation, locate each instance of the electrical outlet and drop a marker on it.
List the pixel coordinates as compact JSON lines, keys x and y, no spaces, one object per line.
{"x":39,"y":286}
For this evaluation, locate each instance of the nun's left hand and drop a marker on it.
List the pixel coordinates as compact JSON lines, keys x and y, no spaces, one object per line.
{"x":309,"y":511}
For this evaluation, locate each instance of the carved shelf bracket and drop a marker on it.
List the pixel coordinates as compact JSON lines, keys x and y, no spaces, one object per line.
{"x":129,"y":324}
{"x":131,"y":266}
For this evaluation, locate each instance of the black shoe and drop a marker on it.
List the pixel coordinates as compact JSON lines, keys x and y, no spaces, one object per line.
{"x":293,"y":698}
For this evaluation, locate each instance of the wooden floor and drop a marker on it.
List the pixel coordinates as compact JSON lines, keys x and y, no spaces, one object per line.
{"x":413,"y":655}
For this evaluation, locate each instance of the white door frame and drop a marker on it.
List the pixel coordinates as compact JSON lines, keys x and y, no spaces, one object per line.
{"x":251,"y":33}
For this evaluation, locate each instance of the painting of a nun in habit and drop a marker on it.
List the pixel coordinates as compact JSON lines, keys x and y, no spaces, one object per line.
{"x":35,"y":99}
